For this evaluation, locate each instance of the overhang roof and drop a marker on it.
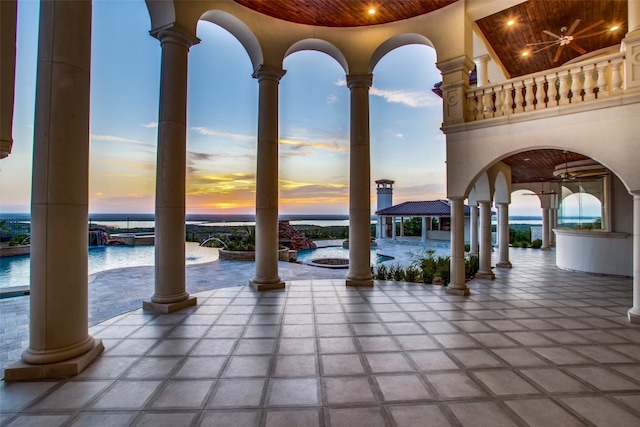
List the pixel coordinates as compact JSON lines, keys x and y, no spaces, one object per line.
{"x":421,"y":208}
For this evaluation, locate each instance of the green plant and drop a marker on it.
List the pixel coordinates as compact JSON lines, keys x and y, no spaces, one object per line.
{"x":536,"y":244}
{"x":521,"y":244}
{"x":396,"y":272}
{"x":467,"y":248}
{"x":412,"y":274}
{"x":471,"y":266}
{"x":380,"y":272}
{"x":20,"y":239}
{"x":443,"y":269}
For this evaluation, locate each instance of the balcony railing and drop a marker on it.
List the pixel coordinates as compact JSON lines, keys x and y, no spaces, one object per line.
{"x":569,"y":85}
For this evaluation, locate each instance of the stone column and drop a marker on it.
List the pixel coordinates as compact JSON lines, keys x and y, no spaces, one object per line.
{"x":545,"y":229}
{"x":473,"y":230}
{"x":359,"y":184}
{"x":170,"y":290}
{"x":485,"y":271}
{"x":457,"y":285}
{"x":393,"y":228}
{"x":267,"y":277}
{"x":634,"y":312}
{"x":503,"y":222}
{"x":423,"y":236}
{"x":553,"y":223}
{"x":401,"y":226}
{"x":8,"y":17}
{"x":482,"y":73}
{"x":59,"y":341}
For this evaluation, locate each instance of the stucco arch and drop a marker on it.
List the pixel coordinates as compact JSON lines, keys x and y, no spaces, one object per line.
{"x":394,"y":43}
{"x":320,"y":46}
{"x":482,"y":188}
{"x":502,"y":193}
{"x":162,"y":13}
{"x":240,"y":31}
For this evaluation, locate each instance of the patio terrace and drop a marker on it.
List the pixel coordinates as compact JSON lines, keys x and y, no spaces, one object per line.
{"x":538,"y":346}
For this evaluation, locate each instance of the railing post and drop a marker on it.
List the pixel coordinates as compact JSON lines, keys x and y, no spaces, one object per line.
{"x":528,"y":95}
{"x":499,"y":102}
{"x":552,"y":90}
{"x":487,"y":102}
{"x":616,"y":76}
{"x":471,"y":105}
{"x":480,"y":105}
{"x":540,"y":93}
{"x":603,"y":87}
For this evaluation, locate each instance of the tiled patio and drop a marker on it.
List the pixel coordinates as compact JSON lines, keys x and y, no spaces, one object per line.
{"x":538,"y":346}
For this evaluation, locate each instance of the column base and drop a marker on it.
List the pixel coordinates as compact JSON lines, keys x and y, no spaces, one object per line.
{"x":359,"y":282}
{"x":633,"y":315}
{"x":165,"y":308}
{"x":21,"y":371}
{"x":266,"y":286}
{"x":504,"y":265}
{"x":545,"y":248}
{"x":485,"y":275}
{"x":457,"y":291}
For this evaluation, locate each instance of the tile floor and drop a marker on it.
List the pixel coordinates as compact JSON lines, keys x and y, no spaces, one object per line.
{"x":536,"y":347}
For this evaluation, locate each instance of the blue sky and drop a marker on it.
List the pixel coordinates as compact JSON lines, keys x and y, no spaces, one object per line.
{"x":406,"y":143}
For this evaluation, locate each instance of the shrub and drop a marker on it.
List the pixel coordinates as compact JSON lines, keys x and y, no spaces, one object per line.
{"x":396,"y":272}
{"x":380,"y":272}
{"x":522,"y":244}
{"x":20,"y":239}
{"x":467,"y":248}
{"x":471,"y":266}
{"x":536,"y":244}
{"x":412,"y":274}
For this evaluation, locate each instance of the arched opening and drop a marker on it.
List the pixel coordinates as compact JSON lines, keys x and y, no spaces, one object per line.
{"x":222,"y":116}
{"x":407,"y":145}
{"x":314,"y":135}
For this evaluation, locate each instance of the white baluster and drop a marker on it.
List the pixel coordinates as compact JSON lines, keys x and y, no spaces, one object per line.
{"x":552,"y":90}
{"x":487,"y":100}
{"x":471,"y":105}
{"x":499,"y":102}
{"x":576,"y":85}
{"x":616,"y":76}
{"x":480,"y":111}
{"x":588,"y":86}
{"x":563,"y":91}
{"x":540,"y":93}
{"x":518,"y":98}
{"x":603,"y":87}
{"x":528,"y":95}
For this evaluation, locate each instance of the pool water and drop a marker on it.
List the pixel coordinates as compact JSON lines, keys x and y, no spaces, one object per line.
{"x":307,"y":255}
{"x":14,"y":271}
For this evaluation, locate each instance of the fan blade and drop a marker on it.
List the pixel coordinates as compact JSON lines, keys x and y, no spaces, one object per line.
{"x":555,"y":58}
{"x":549,"y":42}
{"x":584,"y":30}
{"x":573,"y":27}
{"x":549,"y":33}
{"x":599,"y":33}
{"x":577,"y":48}
{"x":544,"y":48}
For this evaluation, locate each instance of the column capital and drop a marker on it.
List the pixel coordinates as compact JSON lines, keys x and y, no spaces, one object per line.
{"x":265,"y":72}
{"x":363,"y":81}
{"x":482,"y":59}
{"x":175,"y":35}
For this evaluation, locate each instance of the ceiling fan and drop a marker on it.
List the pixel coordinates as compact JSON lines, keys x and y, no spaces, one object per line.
{"x":541,"y":193}
{"x":567,"y":37}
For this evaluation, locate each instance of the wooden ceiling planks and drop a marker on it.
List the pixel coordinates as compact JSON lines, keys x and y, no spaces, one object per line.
{"x":343,"y":13}
{"x":538,"y":165}
{"x":534,"y":16}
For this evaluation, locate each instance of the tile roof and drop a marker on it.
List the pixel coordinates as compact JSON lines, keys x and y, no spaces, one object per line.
{"x":421,"y":208}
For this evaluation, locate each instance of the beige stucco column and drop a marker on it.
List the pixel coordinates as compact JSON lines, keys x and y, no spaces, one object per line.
{"x":485,"y":271}
{"x":423,"y":235}
{"x":634,"y":312}
{"x":8,"y":17}
{"x":457,"y":285}
{"x":482,"y":73}
{"x":546,"y":228}
{"x":59,"y":340}
{"x":473,"y":230}
{"x":503,"y":235}
{"x":170,"y":290}
{"x":267,"y":277}
{"x":359,"y":184}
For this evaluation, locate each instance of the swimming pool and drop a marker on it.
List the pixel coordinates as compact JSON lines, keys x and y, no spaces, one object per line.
{"x":14,"y":271}
{"x":307,"y":255}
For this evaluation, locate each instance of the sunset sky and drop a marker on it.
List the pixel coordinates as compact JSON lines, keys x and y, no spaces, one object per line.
{"x":406,"y":143}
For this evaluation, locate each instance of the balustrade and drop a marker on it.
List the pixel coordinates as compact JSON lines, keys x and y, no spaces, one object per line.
{"x":568,"y":85}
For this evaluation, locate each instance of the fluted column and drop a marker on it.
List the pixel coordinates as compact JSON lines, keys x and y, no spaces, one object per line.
{"x":267,"y":277}
{"x":545,"y":229}
{"x":59,"y":340}
{"x":170,"y":290}
{"x":359,"y":184}
{"x":634,"y":312}
{"x":473,"y":230}
{"x":485,"y":271}
{"x":503,"y":235}
{"x":457,"y":285}
{"x":8,"y":17}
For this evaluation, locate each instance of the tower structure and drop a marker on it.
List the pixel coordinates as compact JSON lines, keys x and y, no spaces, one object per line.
{"x":384,"y":225}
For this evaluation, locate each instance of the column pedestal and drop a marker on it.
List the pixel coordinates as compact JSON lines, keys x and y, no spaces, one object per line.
{"x":457,"y":285}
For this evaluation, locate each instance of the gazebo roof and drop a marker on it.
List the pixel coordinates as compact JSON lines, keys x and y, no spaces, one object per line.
{"x":421,"y":208}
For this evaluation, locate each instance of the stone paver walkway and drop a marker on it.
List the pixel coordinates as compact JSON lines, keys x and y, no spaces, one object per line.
{"x":536,"y":347}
